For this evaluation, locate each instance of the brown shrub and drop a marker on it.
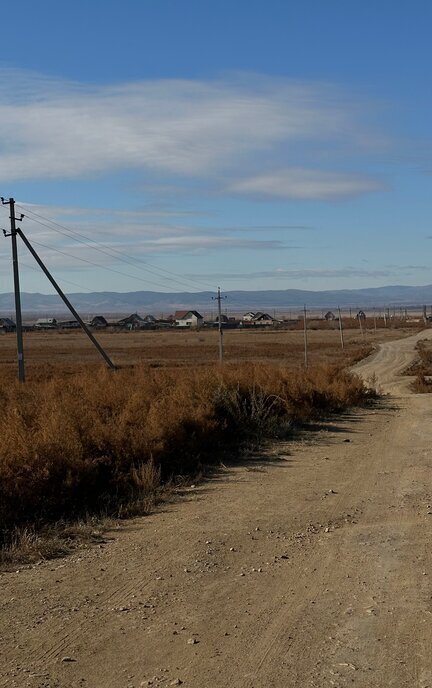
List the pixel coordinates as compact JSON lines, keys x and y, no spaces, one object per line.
{"x":98,"y":440}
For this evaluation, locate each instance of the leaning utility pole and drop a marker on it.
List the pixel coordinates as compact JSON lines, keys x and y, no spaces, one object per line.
{"x":219,"y":298}
{"x":64,"y":298}
{"x":305,"y":338}
{"x":341,"y":329}
{"x":18,"y":317}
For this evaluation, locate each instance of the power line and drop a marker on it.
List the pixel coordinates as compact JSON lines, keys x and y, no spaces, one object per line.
{"x":174,"y":277}
{"x":73,"y":284}
{"x":62,"y":295}
{"x":97,"y":265}
{"x":85,"y":243}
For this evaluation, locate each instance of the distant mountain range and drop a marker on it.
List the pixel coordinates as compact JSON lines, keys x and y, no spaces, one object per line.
{"x":112,"y":303}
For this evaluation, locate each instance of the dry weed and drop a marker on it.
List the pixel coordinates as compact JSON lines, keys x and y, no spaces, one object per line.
{"x":103,"y":442}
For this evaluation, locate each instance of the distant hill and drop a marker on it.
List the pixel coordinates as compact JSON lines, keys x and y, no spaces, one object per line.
{"x":237,"y":301}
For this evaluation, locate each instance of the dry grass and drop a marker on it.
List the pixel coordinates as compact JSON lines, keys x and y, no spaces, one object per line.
{"x":27,"y":544}
{"x":102,"y":442}
{"x":78,"y":439}
{"x":48,"y":353}
{"x":422,"y":368}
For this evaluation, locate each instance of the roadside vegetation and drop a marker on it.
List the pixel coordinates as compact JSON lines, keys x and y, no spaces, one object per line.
{"x":422,"y":368}
{"x":100,"y":442}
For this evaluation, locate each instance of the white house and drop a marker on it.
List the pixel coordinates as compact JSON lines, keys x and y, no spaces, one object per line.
{"x":258,"y":318}
{"x":188,"y":319}
{"x":46,"y":323}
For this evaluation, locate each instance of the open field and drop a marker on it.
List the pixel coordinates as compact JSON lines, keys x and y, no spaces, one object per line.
{"x":308,"y":565}
{"x":47,"y":352}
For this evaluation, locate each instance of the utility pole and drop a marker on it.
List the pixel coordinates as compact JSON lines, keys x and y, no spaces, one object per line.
{"x":89,"y":334}
{"x":305,"y":339}
{"x":341,"y":329}
{"x":219,"y":298}
{"x":18,"y":317}
{"x":375,"y":323}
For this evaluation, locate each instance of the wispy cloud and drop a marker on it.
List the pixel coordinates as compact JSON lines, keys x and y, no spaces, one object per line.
{"x":306,"y":185}
{"x":211,"y":129}
{"x":318,"y":273}
{"x":67,"y":235}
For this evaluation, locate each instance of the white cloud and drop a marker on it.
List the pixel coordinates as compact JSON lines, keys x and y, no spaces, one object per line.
{"x":306,"y":185}
{"x":217,"y":129}
{"x":65,"y":238}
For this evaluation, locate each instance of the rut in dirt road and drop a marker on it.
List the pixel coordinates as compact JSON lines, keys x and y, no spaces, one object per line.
{"x":308,"y":567}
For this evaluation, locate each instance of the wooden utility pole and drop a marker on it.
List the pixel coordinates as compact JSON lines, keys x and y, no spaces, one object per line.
{"x":375,"y":323}
{"x":305,"y":339}
{"x":341,"y":329}
{"x":18,"y":317}
{"x":219,"y":298}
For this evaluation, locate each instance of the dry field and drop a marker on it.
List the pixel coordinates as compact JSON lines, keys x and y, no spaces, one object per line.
{"x":49,"y":352}
{"x":80,"y":439}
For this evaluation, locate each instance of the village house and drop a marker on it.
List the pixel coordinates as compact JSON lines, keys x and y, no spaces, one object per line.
{"x":224,"y":318}
{"x":150,"y":319}
{"x":131,"y":322}
{"x":98,"y":322}
{"x":68,"y":324}
{"x":264,"y":319}
{"x":188,"y":319}
{"x":329,"y":316}
{"x":259,"y":318}
{"x":7,"y":325}
{"x":46,"y":324}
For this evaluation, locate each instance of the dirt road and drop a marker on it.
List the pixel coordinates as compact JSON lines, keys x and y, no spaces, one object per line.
{"x":310,"y":567}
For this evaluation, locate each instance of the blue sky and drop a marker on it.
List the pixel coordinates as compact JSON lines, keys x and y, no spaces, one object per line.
{"x":252,"y":144}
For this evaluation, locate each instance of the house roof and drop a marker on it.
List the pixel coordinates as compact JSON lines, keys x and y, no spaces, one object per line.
{"x":7,"y":322}
{"x":262,"y":316}
{"x":134,"y":317}
{"x":182,"y":315}
{"x":99,"y":319}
